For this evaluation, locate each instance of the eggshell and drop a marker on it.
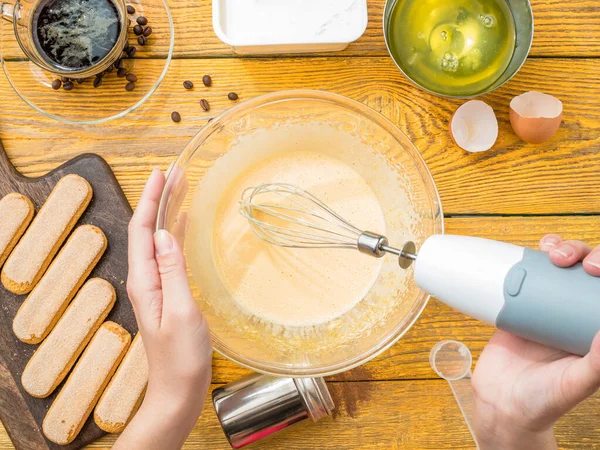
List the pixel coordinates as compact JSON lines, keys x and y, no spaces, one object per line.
{"x":474,"y":126}
{"x":535,"y":117}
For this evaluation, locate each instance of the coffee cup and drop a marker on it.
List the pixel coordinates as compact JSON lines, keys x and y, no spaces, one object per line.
{"x":70,"y":38}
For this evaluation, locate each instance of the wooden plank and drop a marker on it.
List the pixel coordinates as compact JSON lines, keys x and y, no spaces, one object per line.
{"x":382,"y":415}
{"x":562,"y":28}
{"x":514,"y":178}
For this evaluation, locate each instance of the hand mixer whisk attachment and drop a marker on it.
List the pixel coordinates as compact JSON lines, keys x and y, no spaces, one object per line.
{"x":285,"y":215}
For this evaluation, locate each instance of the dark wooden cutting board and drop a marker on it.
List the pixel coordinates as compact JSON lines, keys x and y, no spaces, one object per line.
{"x":21,"y":414}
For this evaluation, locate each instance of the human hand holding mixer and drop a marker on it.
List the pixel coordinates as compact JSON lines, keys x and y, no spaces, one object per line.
{"x":549,"y":297}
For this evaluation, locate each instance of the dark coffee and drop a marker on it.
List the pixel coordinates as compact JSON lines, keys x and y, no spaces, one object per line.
{"x":76,"y":34}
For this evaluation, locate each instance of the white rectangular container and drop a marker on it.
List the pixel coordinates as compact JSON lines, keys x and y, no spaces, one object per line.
{"x":289,"y":26}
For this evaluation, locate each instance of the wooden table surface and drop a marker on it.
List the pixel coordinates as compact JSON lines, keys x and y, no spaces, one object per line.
{"x":515,"y":192}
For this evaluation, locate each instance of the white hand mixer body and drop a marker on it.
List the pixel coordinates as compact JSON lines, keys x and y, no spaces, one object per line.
{"x":514,"y":288}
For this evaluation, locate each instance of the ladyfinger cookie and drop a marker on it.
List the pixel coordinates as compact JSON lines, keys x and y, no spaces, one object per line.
{"x":124,"y":394}
{"x":46,"y":303}
{"x":76,"y":400}
{"x":16,"y":212}
{"x":56,"y":355}
{"x":34,"y":252}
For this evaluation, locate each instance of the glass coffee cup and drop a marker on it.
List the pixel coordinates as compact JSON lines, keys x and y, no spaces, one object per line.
{"x":70,"y":38}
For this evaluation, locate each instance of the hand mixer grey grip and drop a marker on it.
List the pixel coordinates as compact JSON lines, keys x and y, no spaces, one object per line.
{"x":514,"y":288}
{"x":557,"y":307}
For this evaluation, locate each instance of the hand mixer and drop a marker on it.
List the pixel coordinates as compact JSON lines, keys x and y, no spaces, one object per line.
{"x":516,"y":289}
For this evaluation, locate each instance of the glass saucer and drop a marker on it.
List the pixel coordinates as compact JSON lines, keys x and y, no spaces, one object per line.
{"x":86,"y":104}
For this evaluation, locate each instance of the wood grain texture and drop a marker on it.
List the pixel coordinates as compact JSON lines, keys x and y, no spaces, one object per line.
{"x":557,"y":177}
{"x":389,"y":415}
{"x":562,"y":28}
{"x":110,"y":211}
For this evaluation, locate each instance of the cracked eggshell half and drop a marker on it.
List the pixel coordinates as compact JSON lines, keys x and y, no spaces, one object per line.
{"x":474,"y":126}
{"x":535,"y":117}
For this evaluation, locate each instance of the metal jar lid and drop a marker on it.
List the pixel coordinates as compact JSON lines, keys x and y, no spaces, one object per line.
{"x":260,"y":405}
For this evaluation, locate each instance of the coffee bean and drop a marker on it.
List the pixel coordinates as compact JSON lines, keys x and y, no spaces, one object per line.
{"x":56,"y":84}
{"x":121,"y":72}
{"x":142,"y":21}
{"x":131,"y":51}
{"x":118,"y":64}
{"x":142,"y":40}
{"x":147,"y":31}
{"x":68,"y":86}
{"x":205,"y":105}
{"x":130,"y":9}
{"x":188,"y":84}
{"x":130,"y":86}
{"x":138,"y":30}
{"x":64,"y":79}
{"x":97,"y":82}
{"x":109,"y":70}
{"x":80,"y":80}
{"x":232,"y":96}
{"x":131,"y":77}
{"x":175,"y":116}
{"x":101,"y":74}
{"x":207,"y":80}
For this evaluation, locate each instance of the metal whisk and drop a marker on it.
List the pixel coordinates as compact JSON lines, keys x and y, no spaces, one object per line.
{"x":285,"y":215}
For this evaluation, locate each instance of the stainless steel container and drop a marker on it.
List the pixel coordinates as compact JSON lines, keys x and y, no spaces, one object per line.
{"x":523,"y":17}
{"x":259,"y":405}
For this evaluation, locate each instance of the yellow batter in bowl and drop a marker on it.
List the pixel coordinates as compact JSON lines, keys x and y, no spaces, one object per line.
{"x":301,"y":312}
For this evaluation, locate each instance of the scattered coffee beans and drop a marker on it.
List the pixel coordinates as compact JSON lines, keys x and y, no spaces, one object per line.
{"x":147,"y":31}
{"x":64,"y":79}
{"x":188,"y":84}
{"x":175,"y":116}
{"x":142,"y":40}
{"x":130,"y":86}
{"x":121,"y":72}
{"x":131,"y":77}
{"x":68,"y":86}
{"x":130,"y":9}
{"x":142,"y":21}
{"x":56,"y":84}
{"x":97,"y":82}
{"x":205,"y":105}
{"x":232,"y":96}
{"x":80,"y":80}
{"x":131,"y":51}
{"x":138,"y":30}
{"x":207,"y":80}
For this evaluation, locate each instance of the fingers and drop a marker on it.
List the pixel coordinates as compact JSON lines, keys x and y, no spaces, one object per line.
{"x":581,"y":378}
{"x":143,"y":283}
{"x":564,"y":253}
{"x":550,"y":242}
{"x":178,"y":303}
{"x":592,"y":262}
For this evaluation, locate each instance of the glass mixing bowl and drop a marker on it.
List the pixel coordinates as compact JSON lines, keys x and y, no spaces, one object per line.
{"x":328,"y":124}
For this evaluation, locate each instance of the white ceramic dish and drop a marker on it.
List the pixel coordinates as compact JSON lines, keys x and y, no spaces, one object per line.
{"x":289,"y":26}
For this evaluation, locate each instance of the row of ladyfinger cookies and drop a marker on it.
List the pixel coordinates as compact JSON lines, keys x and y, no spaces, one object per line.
{"x":26,"y":254}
